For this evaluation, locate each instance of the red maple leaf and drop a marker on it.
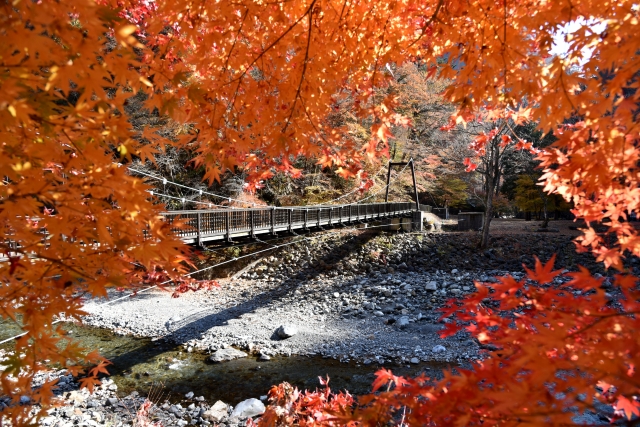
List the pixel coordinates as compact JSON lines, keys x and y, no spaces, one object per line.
{"x":629,"y":407}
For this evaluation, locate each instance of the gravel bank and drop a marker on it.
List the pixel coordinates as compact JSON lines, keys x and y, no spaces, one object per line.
{"x":106,"y":407}
{"x":366,"y":296}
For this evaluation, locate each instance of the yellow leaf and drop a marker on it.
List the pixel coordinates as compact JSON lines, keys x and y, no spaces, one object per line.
{"x":126,"y":30}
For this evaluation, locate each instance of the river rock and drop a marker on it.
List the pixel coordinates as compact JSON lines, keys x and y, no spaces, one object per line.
{"x":403,"y":321}
{"x":217,"y":412}
{"x":248,"y":408}
{"x":286,"y":331}
{"x":431,"y":286}
{"x":226,"y":354}
{"x":438,"y":349}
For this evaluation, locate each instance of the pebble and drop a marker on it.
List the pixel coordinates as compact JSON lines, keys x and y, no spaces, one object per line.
{"x":218,"y":412}
{"x":431,"y":286}
{"x":403,"y":321}
{"x":439,"y":349}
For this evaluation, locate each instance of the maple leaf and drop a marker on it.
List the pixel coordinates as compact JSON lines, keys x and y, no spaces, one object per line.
{"x":543,"y":273}
{"x":385,"y":377}
{"x":628,"y":407}
{"x":470,"y":165}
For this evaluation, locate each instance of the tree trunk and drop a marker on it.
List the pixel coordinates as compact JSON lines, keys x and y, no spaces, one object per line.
{"x":488,"y":211}
{"x":545,"y":213}
{"x":488,"y":216}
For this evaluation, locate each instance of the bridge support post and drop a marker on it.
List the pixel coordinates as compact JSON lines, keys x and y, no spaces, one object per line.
{"x":386,"y":193}
{"x":415,"y":185}
{"x":306,"y":216}
{"x":273,"y":220}
{"x":252,"y":233}
{"x":290,"y":220}
{"x":418,"y":221}
{"x":199,"y":225}
{"x":227,"y":224}
{"x":413,"y":176}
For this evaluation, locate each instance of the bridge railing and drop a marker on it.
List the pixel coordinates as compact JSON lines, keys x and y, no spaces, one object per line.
{"x":225,"y":223}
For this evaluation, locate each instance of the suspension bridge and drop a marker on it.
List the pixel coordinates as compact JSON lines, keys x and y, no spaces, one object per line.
{"x":223,"y":224}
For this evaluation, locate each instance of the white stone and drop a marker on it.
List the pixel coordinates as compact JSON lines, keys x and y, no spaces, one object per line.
{"x":438,"y":349}
{"x":226,"y":354}
{"x":248,"y":408}
{"x":431,"y":286}
{"x":415,"y":360}
{"x":217,"y":412}
{"x":286,"y":331}
{"x":403,"y":321}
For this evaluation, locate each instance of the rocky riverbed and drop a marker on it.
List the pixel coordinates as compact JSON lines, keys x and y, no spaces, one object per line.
{"x":363,"y":298}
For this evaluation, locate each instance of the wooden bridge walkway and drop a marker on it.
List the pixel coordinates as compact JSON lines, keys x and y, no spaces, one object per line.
{"x":226,"y":224}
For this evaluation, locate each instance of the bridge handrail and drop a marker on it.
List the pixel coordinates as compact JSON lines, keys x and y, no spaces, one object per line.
{"x":226,"y":222}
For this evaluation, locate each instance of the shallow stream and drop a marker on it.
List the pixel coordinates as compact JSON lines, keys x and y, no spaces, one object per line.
{"x":161,"y":367}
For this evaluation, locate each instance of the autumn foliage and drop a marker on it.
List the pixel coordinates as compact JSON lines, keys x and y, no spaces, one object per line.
{"x":249,"y":84}
{"x":560,"y":348}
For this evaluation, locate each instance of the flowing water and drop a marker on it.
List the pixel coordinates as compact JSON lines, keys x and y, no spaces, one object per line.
{"x":143,"y":365}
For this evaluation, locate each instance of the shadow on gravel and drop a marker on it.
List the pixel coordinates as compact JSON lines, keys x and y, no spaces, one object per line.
{"x":192,"y":326}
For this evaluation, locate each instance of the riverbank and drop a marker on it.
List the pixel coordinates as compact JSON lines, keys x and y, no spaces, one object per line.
{"x":361,"y":296}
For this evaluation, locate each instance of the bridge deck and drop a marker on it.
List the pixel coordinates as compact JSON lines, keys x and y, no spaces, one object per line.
{"x":225,"y":224}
